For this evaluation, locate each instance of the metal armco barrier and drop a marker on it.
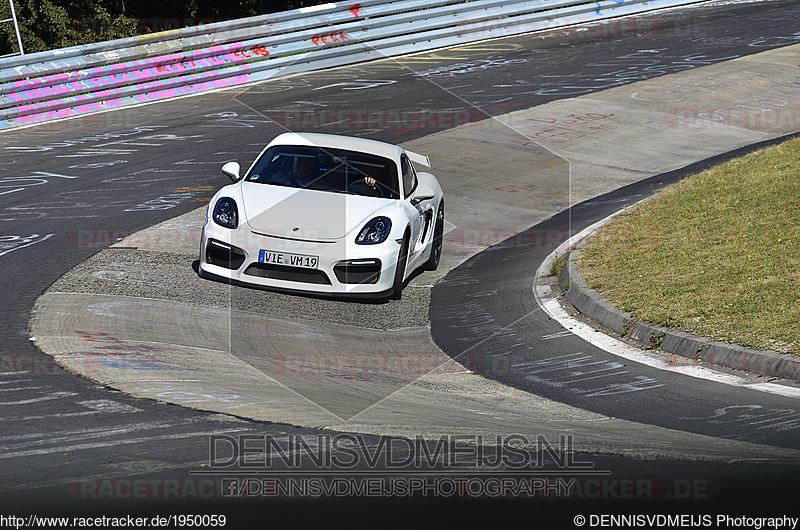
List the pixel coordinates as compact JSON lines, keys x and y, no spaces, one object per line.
{"x":82,"y":79}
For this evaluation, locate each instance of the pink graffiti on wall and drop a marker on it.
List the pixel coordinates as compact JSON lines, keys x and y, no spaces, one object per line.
{"x":186,"y":85}
{"x":132,"y":72}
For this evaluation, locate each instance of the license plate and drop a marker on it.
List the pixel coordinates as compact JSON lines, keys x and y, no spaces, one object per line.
{"x":289,"y":260}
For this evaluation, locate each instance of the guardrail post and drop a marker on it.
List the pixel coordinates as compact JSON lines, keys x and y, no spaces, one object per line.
{"x":16,"y":29}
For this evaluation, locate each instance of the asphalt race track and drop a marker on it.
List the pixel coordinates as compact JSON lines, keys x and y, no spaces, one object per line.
{"x":522,"y":138}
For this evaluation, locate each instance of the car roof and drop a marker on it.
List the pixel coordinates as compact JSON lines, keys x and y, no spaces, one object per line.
{"x":335,"y":141}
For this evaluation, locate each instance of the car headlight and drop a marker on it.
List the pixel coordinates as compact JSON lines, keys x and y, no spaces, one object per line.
{"x":226,"y":213}
{"x":374,"y":232}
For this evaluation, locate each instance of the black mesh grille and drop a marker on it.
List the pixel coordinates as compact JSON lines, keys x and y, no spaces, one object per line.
{"x":358,"y":272}
{"x":224,"y":255}
{"x":292,"y":274}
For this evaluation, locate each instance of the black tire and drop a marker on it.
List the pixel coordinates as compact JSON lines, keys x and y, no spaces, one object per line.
{"x":400,"y":271}
{"x":438,"y":240}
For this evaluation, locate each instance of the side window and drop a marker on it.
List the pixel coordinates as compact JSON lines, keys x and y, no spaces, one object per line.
{"x":409,"y":176}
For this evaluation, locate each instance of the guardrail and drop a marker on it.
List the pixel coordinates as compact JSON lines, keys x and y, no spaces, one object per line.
{"x":72,"y":81}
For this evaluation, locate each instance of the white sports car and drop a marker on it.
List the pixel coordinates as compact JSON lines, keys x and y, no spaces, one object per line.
{"x":327,"y":214}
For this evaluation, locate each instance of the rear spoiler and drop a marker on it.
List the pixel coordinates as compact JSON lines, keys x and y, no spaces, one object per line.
{"x":417,"y":158}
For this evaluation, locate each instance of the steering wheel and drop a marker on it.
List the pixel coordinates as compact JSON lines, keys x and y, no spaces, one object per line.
{"x":360,"y":187}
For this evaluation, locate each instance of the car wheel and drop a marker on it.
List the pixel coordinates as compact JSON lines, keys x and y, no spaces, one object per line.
{"x":438,"y":239}
{"x":400,"y":271}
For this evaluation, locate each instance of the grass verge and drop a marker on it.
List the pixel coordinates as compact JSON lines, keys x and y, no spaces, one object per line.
{"x":717,"y":255}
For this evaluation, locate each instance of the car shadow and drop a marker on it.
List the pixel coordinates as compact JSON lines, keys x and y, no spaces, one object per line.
{"x":314,"y":296}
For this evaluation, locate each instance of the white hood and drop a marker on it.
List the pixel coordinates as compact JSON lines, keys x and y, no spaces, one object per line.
{"x":305,"y":214}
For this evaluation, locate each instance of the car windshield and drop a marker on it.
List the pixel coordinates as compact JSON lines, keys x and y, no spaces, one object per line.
{"x":325,"y":169}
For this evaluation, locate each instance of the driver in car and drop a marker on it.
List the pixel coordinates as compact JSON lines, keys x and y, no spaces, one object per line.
{"x":303,"y":174}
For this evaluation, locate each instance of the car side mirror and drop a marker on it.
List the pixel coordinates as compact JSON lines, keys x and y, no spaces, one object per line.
{"x":423,"y":193}
{"x":232,"y":169}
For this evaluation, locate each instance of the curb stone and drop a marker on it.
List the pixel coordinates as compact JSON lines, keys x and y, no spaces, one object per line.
{"x":594,"y":306}
{"x":590,"y":302}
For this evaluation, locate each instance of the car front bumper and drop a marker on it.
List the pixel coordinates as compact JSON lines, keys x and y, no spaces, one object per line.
{"x":343,"y":269}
